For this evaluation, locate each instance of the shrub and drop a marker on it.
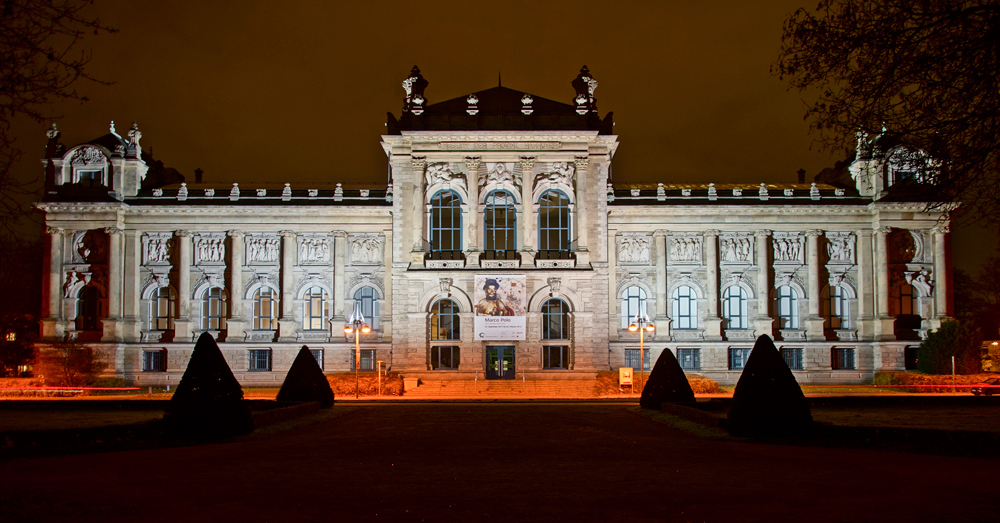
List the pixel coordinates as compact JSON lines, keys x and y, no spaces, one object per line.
{"x":208,"y":401}
{"x":666,"y":383}
{"x":69,"y":365}
{"x":702,"y":385}
{"x":768,"y":401}
{"x":887,"y":378}
{"x":958,"y":338}
{"x":343,"y":384}
{"x":305,"y":381}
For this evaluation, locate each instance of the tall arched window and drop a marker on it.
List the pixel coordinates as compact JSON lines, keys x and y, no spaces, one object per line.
{"x":788,"y":307}
{"x":265,"y":307}
{"x":837,"y":307}
{"x":685,"y":308}
{"x":446,"y":223}
{"x":445,"y":320}
{"x":555,"y":320}
{"x":633,"y":304}
{"x":734,"y":307}
{"x":367,"y":299}
{"x":213,"y":309}
{"x":88,"y":309}
{"x":553,"y":224}
{"x":315,"y":309}
{"x":499,"y":225}
{"x":162,"y":309}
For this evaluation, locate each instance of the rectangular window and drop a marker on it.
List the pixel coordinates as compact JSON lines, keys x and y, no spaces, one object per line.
{"x":445,"y":358}
{"x":154,"y":360}
{"x":318,"y":355}
{"x":367,"y":359}
{"x":842,"y":359}
{"x":690,"y":359}
{"x":738,"y":358}
{"x":259,"y":360}
{"x":792,"y":357}
{"x":632,"y":359}
{"x":555,"y":357}
{"x":910,"y":358}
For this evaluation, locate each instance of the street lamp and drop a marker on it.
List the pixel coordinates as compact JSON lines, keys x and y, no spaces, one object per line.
{"x":357,"y":325}
{"x":641,"y":323}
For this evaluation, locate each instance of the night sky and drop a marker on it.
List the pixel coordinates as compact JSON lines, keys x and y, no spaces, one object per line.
{"x":259,"y":91}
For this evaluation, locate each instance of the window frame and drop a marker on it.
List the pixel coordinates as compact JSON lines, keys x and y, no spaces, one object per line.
{"x":88,"y":309}
{"x":560,"y":208}
{"x":221,"y":301}
{"x":843,"y":358}
{"x":453,"y":316}
{"x":367,"y":360}
{"x":258,"y":300}
{"x":154,"y":360}
{"x":738,"y":357}
{"x":491,"y":212}
{"x":437,"y":229}
{"x":630,"y":357}
{"x":626,"y":297}
{"x":683,"y":352}
{"x":562,"y":351}
{"x":162,"y":322}
{"x":742,"y":299}
{"x":256,"y":357}
{"x":311,"y":317}
{"x":369,"y":305}
{"x":562,"y":331}
{"x":682,"y":320}
{"x":793,"y":357}
{"x":454,"y":357}
{"x":787,"y":301}
{"x":838,"y":307}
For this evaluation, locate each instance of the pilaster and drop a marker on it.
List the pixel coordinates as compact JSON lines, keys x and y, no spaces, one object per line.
{"x":713,"y":323}
{"x":528,"y":218}
{"x":582,"y":210}
{"x":287,"y":326}
{"x":236,"y":324}
{"x":53,"y":320}
{"x":866,"y":286}
{"x":113,"y":322}
{"x":884,"y":322}
{"x":182,"y":324}
{"x":941,"y":272}
{"x":132,"y":319}
{"x":763,"y":323}
{"x":472,"y":245}
{"x":339,"y":283}
{"x":814,"y":322}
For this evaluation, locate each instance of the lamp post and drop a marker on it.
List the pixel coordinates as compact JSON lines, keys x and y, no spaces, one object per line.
{"x":357,"y":325}
{"x":641,"y":323}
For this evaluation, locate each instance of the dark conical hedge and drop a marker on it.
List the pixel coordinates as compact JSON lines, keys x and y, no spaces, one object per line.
{"x":666,"y":383}
{"x":768,"y":401}
{"x":305,"y":381}
{"x":208,"y":401}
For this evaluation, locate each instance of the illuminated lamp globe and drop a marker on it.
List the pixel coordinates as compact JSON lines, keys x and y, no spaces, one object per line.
{"x":633,"y":328}
{"x":348,"y":329}
{"x":650,"y":328}
{"x":366,"y":329}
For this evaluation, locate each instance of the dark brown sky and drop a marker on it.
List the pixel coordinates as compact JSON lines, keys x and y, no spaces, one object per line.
{"x":298,"y":91}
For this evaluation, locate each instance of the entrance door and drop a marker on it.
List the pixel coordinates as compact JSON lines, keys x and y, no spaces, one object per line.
{"x":500,"y":363}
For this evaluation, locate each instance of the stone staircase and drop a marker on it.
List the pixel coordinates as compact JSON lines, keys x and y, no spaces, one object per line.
{"x":575,"y":388}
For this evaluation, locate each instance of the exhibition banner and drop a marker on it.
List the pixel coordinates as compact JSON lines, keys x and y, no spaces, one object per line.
{"x":500,"y":307}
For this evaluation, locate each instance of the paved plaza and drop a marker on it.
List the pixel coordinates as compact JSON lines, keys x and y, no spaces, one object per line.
{"x":496,"y":461}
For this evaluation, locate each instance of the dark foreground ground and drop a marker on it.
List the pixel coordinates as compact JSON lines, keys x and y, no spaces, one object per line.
{"x":477,"y":462}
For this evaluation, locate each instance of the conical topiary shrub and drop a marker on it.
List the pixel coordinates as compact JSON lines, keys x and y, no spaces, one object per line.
{"x":305,"y":381}
{"x":768,"y":402}
{"x":666,"y":383}
{"x":208,"y":402}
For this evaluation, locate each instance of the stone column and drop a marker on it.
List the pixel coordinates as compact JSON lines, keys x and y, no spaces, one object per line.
{"x":113,"y":322}
{"x":814,"y":322}
{"x":661,"y":320}
{"x":339,"y":283}
{"x":182,"y":324}
{"x":884,"y":322}
{"x":528,"y":218}
{"x":386,"y":310}
{"x":287,"y":326}
{"x":417,"y":166}
{"x":866,"y":286}
{"x":582,"y":206}
{"x":236,"y":323}
{"x":763,"y":323}
{"x":472,"y":248}
{"x":132,"y":320}
{"x":941,"y":272}
{"x":713,"y":323}
{"x":53,"y":325}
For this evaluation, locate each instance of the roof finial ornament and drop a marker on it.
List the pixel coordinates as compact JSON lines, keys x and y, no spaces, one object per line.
{"x":414,"y":86}
{"x":53,"y":132}
{"x":113,"y":127}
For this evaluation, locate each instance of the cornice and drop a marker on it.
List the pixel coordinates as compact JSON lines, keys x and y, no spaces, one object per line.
{"x":259,"y":210}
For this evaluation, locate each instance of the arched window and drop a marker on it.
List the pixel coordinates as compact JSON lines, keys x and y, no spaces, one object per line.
{"x":367,"y":299}
{"x":734,"y":307}
{"x":445,"y":320}
{"x":685,"y":308}
{"x":553,"y":222}
{"x":265,"y":306}
{"x":213,"y":309}
{"x":315,"y":309}
{"x":555,"y":320}
{"x":446,"y":222}
{"x":788,"y":308}
{"x":88,"y":309}
{"x":836,"y":307}
{"x":633,"y":304}
{"x":499,"y":225}
{"x":162,"y":309}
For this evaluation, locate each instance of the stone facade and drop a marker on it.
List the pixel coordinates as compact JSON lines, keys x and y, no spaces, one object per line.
{"x":495,"y":183}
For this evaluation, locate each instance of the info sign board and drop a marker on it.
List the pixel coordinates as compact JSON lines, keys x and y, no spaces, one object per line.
{"x":500,"y":307}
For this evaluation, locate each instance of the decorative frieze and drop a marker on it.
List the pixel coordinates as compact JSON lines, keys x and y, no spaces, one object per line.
{"x":736,"y":248}
{"x":788,"y":247}
{"x":634,"y":248}
{"x":210,"y":248}
{"x":156,"y":248}
{"x":440,"y":173}
{"x":315,"y":249}
{"x":840,"y":248}
{"x":366,"y":248}
{"x":684,"y":248}
{"x":263,"y":248}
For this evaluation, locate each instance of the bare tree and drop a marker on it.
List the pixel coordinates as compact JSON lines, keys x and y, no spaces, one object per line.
{"x":40,"y":62}
{"x":925,"y":70}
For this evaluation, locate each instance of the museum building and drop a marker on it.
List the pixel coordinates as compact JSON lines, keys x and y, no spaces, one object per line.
{"x":500,"y":248}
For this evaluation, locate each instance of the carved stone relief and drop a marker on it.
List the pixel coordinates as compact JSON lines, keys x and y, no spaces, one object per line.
{"x":89,"y":247}
{"x":441,"y":173}
{"x":904,"y":246}
{"x":366,"y":249}
{"x":156,"y":248}
{"x":90,"y":156}
{"x":558,"y":172}
{"x":788,"y":247}
{"x":634,"y":248}
{"x":263,"y":248}
{"x":736,"y":248}
{"x":314,"y":250}
{"x":841,"y":247}
{"x":498,"y":174}
{"x":684,"y":248}
{"x":210,"y":248}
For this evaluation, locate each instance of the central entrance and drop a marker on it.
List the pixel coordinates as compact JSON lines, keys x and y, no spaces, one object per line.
{"x":500,"y":363}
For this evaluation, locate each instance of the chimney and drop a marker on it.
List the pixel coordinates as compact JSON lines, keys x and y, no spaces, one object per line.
{"x":198,"y":172}
{"x":802,"y":175}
